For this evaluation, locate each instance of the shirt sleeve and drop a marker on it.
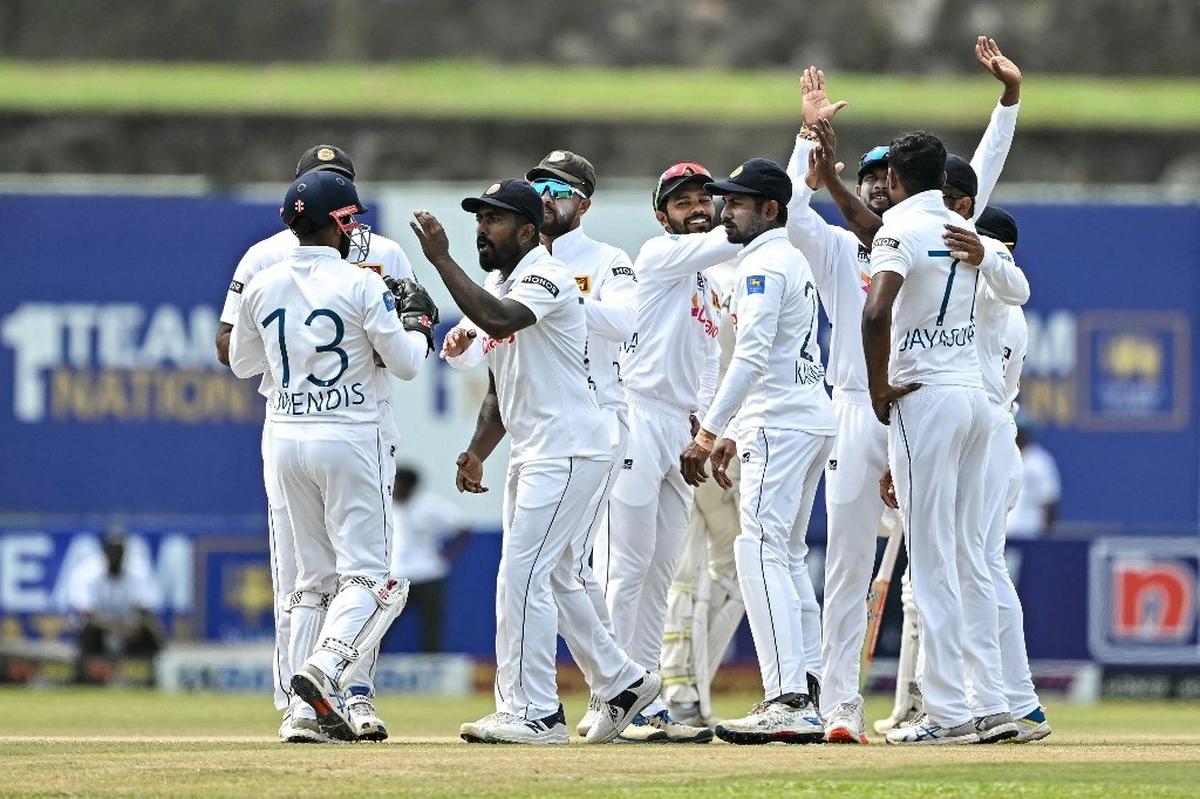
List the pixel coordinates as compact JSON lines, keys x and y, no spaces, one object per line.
{"x":542,"y":290}
{"x":402,"y":350}
{"x":890,"y":253}
{"x":825,"y":246}
{"x":1002,"y":275}
{"x":992,"y":152}
{"x":612,"y":312}
{"x":709,"y":377}
{"x":247,"y":355}
{"x":247,"y":268}
{"x":759,"y":297}
{"x":397,"y":265}
{"x":667,"y":258}
{"x":473,"y":355}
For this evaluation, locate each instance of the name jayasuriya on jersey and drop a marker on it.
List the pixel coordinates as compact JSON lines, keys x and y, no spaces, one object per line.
{"x":928,"y":338}
{"x":305,"y":403}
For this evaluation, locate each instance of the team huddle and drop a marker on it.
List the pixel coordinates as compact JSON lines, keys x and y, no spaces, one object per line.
{"x":669,"y":426}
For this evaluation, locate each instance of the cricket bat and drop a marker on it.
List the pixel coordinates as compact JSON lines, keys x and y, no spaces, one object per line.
{"x":876,"y":598}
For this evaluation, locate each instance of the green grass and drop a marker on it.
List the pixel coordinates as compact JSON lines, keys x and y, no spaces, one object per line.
{"x":470,"y":89}
{"x":110,"y":743}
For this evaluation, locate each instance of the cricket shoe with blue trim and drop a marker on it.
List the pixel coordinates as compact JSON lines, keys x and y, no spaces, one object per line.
{"x":660,"y":728}
{"x":923,"y":731}
{"x":364,"y":718}
{"x":790,"y":718}
{"x":297,"y":729}
{"x":512,"y":729}
{"x":996,"y":727}
{"x":1033,"y":726}
{"x":616,"y":713}
{"x":844,"y":725}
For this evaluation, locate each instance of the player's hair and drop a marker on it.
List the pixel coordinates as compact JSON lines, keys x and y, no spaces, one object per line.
{"x":303,"y":226}
{"x":919,"y":161}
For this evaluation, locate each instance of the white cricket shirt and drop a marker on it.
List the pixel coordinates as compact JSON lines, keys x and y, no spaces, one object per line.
{"x":1016,"y":347}
{"x":316,"y":321}
{"x":547,"y":397}
{"x":675,"y":344}
{"x":1002,"y":286}
{"x":933,"y":324}
{"x":606,"y":280}
{"x":775,"y":376}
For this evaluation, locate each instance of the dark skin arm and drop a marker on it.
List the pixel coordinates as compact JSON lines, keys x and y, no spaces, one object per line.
{"x":499,"y":318}
{"x":862,"y":221}
{"x":489,"y":430}
{"x":224,"y":331}
{"x":876,"y":333}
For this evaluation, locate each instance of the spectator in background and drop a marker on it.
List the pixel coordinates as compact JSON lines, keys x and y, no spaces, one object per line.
{"x":114,"y":620}
{"x":430,"y":534}
{"x":1036,"y":509}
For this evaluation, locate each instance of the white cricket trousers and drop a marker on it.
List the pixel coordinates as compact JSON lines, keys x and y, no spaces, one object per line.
{"x":853,"y":509}
{"x":1002,"y":483}
{"x":282,"y":548}
{"x":780,"y":473}
{"x":648,"y":514}
{"x":334,"y":480}
{"x":937,"y":448}
{"x":547,"y":504}
{"x":704,"y":601}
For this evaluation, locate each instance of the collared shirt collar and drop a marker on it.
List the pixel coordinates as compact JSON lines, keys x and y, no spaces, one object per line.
{"x":770,"y":235}
{"x":317,"y":251}
{"x":570,"y":243}
{"x":531,"y":257}
{"x":925,"y":200}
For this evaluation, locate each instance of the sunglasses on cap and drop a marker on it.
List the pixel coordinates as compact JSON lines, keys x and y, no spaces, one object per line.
{"x":559,"y":190}
{"x":873,"y":156}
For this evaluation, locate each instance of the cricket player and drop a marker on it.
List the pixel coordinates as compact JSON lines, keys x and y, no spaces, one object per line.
{"x":926,"y":385}
{"x":840,"y":263}
{"x":704,"y":603}
{"x":669,"y":369}
{"x":531,"y":327}
{"x":372,"y":251}
{"x":784,"y":430}
{"x":317,"y":322}
{"x":605,"y":277}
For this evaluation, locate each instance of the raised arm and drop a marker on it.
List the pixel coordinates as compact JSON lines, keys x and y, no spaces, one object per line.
{"x":992,"y":152}
{"x":666,"y":259}
{"x":862,"y":221}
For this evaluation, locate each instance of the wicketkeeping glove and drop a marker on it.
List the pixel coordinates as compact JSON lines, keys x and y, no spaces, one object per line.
{"x":414,"y":306}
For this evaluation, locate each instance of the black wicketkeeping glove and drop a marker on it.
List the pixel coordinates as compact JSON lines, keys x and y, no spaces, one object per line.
{"x":416,"y":309}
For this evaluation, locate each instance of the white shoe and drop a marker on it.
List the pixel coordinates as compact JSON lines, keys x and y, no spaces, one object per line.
{"x":364,"y":719}
{"x":616,"y":713}
{"x":472,"y":731}
{"x":844,"y":725}
{"x":590,"y":717}
{"x":996,"y":727}
{"x":1033,"y":726}
{"x":301,"y":730}
{"x":507,"y":728}
{"x":661,"y":728}
{"x":790,"y":718}
{"x":311,"y":685}
{"x":902,"y":716}
{"x":924,"y":731}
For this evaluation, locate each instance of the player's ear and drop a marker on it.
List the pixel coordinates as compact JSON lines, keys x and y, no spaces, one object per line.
{"x":661,"y":216}
{"x":771,"y":210}
{"x":584,"y":205}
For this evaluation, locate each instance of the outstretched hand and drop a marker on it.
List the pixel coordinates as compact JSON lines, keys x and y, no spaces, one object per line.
{"x":823,"y":166}
{"x":988,"y":53}
{"x":814,"y":104}
{"x":431,"y":235}
{"x":469,"y":477}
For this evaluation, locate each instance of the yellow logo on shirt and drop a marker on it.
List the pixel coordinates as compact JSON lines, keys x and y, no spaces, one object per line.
{"x":585,"y":283}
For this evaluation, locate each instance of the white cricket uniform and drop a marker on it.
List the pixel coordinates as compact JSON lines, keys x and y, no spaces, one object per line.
{"x":784,"y":430}
{"x":605,"y":277}
{"x":559,"y":459}
{"x":937,"y":448}
{"x":841,"y":269}
{"x":385,"y":256}
{"x":669,"y":369}
{"x":704,"y":602}
{"x":1000,"y":294}
{"x":315,"y":321}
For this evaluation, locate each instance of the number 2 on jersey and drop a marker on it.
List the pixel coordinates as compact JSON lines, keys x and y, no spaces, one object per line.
{"x":339,"y":330}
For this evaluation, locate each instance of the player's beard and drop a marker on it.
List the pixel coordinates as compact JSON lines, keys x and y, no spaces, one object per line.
{"x":558,"y":222}
{"x":691,"y":223}
{"x":736,"y":235}
{"x":499,"y":255}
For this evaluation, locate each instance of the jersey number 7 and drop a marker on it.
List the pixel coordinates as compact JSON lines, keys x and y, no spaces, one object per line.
{"x":949,"y":284}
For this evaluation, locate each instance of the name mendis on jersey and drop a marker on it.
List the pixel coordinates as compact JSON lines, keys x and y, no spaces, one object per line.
{"x":303,"y":403}
{"x":928,"y":338}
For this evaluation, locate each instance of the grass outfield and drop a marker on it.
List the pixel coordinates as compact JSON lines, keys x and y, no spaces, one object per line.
{"x":469,"y":89}
{"x":102,"y":743}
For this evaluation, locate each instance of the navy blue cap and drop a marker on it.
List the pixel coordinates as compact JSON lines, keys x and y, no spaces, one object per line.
{"x":760,"y":177}
{"x":876,"y":156}
{"x":514,"y":195}
{"x":320,"y":195}
{"x":996,"y":222}
{"x":960,"y":175}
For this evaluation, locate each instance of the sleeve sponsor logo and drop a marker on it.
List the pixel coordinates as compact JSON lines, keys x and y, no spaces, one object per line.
{"x":884,"y":241}
{"x":237,"y":286}
{"x":546,"y":283}
{"x":389,"y":301}
{"x":756,"y":284}
{"x":624,"y":270}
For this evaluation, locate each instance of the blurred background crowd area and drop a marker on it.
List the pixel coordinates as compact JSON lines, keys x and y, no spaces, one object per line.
{"x":147,"y":144}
